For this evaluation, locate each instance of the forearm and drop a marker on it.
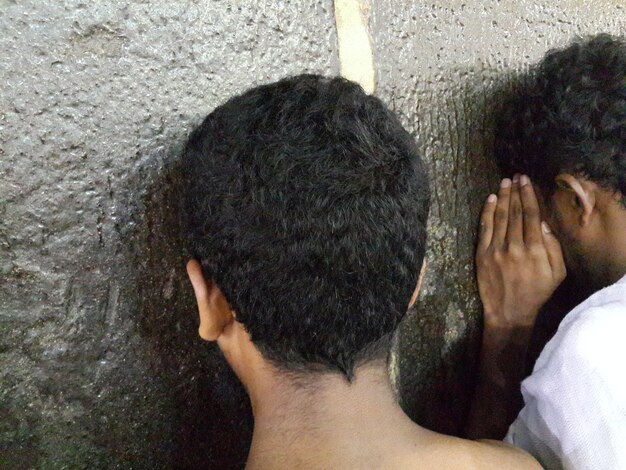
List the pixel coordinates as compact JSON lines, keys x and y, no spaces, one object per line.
{"x":519,"y":264}
{"x":497,"y":398}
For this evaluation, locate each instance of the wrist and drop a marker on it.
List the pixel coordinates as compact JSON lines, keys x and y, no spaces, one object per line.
{"x":502,"y":335}
{"x":510,"y":319}
{"x":503,"y":354}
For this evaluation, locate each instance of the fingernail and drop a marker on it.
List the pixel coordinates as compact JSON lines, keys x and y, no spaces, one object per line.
{"x":515,"y":178}
{"x":524,"y":180}
{"x":505,"y":183}
{"x":492,"y":198}
{"x":545,"y":227}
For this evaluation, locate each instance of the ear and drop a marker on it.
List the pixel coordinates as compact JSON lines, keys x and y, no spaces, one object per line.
{"x":580,"y":193}
{"x":215,"y":313}
{"x":420,"y":279}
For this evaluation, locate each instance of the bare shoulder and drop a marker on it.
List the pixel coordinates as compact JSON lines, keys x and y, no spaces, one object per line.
{"x":498,"y":453}
{"x":446,"y":452}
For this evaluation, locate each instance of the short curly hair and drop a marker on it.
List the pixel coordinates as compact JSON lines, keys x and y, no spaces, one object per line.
{"x":307,"y":203}
{"x":569,"y":115}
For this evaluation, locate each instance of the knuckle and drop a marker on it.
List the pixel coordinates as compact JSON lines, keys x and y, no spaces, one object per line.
{"x":481,"y":263}
{"x":482,"y":229}
{"x":515,"y":252}
{"x":536,"y":250}
{"x":504,"y":192}
{"x":484,"y":254}
{"x":528,"y":193}
{"x":515,"y":211}
{"x":499,"y":256}
{"x":481,"y":254}
{"x":531,"y":211}
{"x":501,"y":214}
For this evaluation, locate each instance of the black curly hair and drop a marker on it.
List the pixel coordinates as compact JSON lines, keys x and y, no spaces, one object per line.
{"x":569,"y":115}
{"x":307,"y":203}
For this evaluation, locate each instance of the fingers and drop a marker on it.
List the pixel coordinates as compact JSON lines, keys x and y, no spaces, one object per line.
{"x":201,"y":286}
{"x":531,"y":214}
{"x":555,"y":254}
{"x":486,"y":222}
{"x":501,"y":217}
{"x":515,"y":229}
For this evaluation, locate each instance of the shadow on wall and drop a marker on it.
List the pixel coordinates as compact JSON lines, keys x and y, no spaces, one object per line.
{"x":439,"y":341}
{"x":213,"y":420}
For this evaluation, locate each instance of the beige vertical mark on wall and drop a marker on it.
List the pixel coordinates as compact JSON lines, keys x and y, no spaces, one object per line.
{"x":355,"y":49}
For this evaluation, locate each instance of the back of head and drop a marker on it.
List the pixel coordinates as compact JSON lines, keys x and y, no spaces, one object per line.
{"x":569,"y":116}
{"x":307,"y":204}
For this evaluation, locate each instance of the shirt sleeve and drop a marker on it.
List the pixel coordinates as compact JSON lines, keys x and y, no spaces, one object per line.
{"x":575,"y":401}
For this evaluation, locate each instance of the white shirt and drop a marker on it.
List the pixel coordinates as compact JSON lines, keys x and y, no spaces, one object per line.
{"x":575,"y":400}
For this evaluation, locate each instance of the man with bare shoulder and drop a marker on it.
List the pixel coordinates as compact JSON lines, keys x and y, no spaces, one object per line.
{"x":565,"y":128}
{"x":307,"y":205}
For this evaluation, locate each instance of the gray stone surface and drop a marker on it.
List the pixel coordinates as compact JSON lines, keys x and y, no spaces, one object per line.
{"x":100,"y":362}
{"x":442,"y":66}
{"x":100,"y":366}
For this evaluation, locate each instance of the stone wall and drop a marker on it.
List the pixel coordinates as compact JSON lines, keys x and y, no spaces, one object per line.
{"x":100,"y":365}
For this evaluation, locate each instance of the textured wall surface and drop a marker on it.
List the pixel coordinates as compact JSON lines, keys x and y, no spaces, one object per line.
{"x":441,"y":66}
{"x":99,"y":362}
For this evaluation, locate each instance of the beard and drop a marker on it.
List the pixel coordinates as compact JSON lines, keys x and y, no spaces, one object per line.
{"x":585,"y":272}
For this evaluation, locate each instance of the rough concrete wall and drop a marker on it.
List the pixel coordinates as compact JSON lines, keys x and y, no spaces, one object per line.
{"x":99,"y":363}
{"x":442,"y":66}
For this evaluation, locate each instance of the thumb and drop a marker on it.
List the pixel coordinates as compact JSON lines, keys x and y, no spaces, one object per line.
{"x":555,"y":254}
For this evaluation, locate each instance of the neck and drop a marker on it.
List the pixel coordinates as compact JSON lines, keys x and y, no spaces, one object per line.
{"x":617,"y":270}
{"x":616,"y":259}
{"x":326,"y":417}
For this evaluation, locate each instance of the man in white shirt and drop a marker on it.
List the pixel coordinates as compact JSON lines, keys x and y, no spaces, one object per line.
{"x":566,"y":129}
